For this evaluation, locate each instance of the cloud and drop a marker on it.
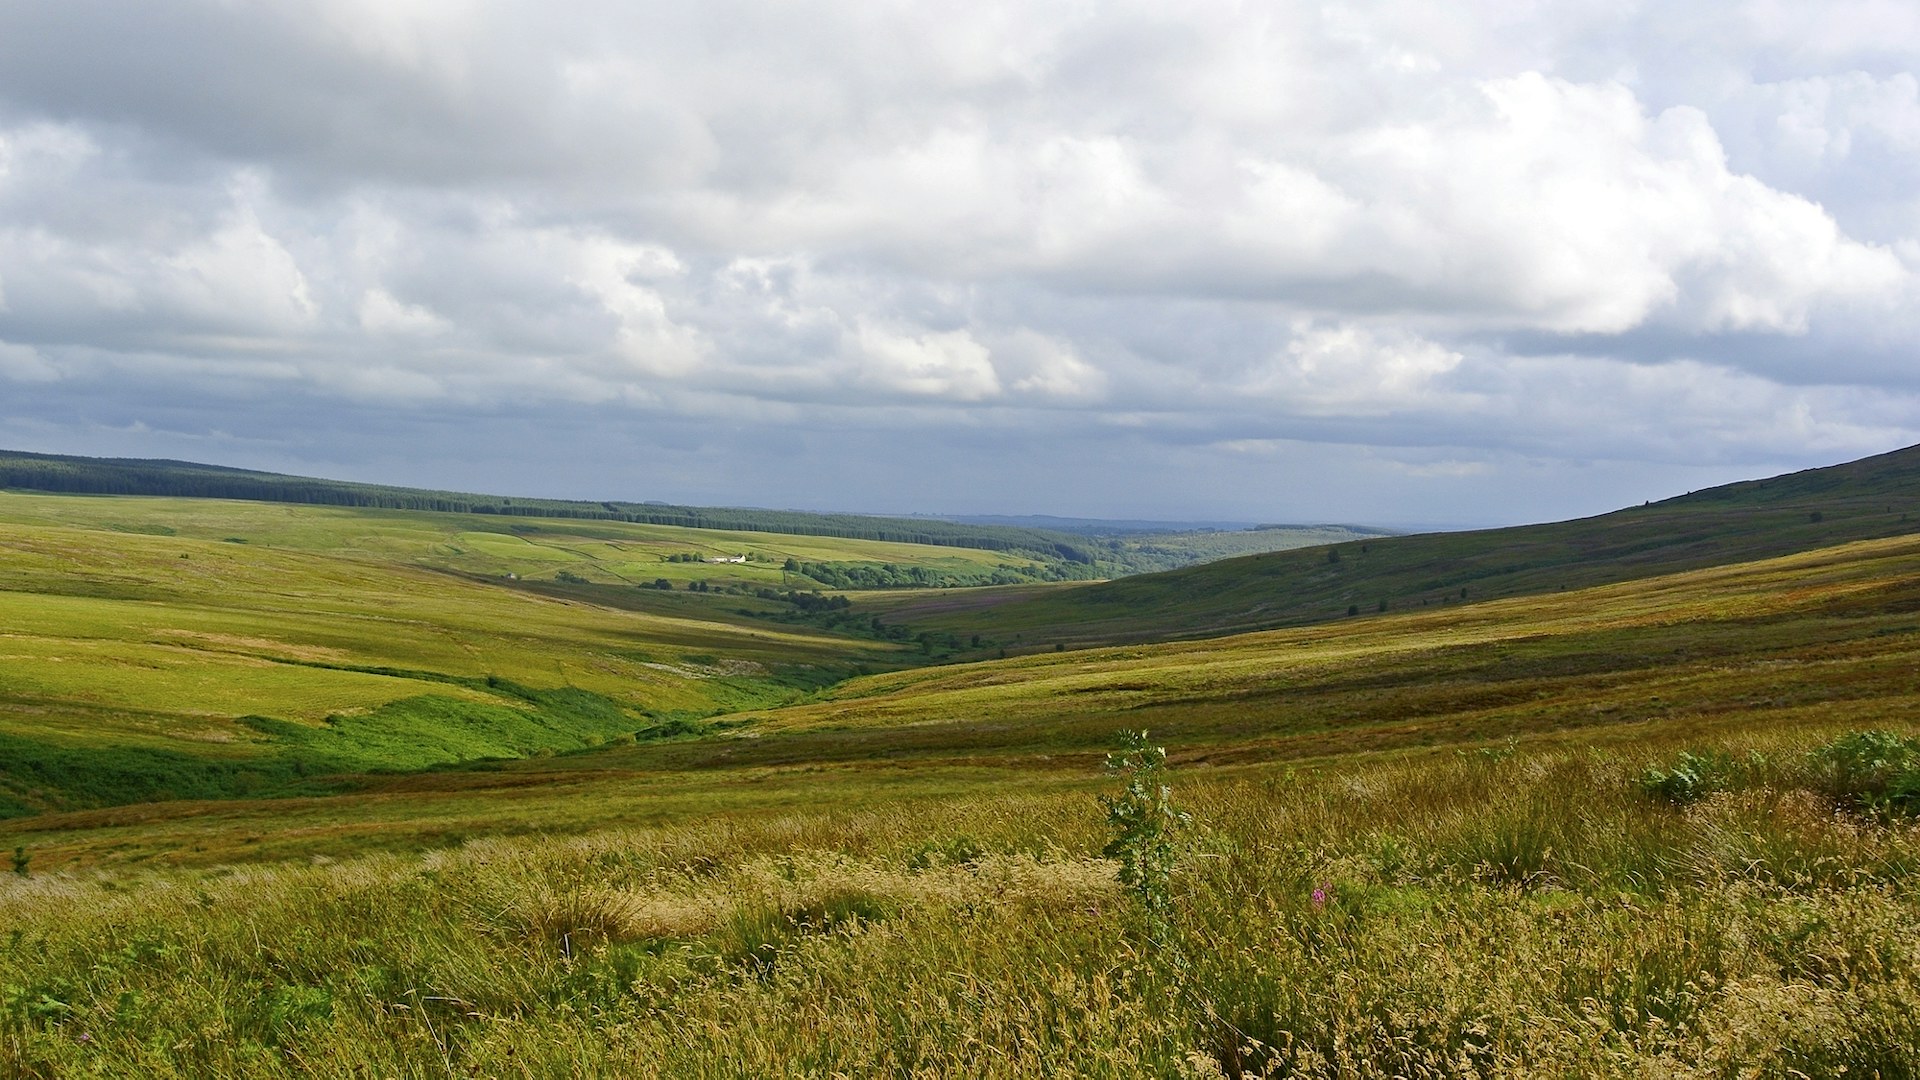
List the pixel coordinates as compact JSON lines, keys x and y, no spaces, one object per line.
{"x":944,"y":364}
{"x":620,"y":276}
{"x":19,"y":363}
{"x":1463,"y":239}
{"x":381,"y":313}
{"x":238,"y":278}
{"x":1345,"y":369}
{"x":1047,"y":367}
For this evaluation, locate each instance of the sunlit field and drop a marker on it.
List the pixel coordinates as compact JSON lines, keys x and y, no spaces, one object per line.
{"x":281,"y":812}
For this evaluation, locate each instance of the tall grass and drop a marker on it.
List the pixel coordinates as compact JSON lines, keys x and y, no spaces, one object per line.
{"x":1530,"y":911}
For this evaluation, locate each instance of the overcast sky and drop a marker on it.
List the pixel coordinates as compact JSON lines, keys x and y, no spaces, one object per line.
{"x":1383,"y":263}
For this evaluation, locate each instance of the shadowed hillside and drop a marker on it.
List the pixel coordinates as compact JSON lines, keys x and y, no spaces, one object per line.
{"x":1861,"y":500}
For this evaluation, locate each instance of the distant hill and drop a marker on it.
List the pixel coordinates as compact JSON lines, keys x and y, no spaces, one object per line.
{"x":144,"y":476}
{"x":1079,"y":549}
{"x":1874,"y":497}
{"x":1104,"y":526}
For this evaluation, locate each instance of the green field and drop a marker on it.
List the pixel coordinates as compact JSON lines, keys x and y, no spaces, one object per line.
{"x":203,"y":648}
{"x":450,"y":823}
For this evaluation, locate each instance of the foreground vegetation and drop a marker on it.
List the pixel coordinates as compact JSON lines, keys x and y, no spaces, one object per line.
{"x":1563,"y":921}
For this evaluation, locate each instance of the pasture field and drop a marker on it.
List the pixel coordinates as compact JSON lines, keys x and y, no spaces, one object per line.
{"x":317,"y":805}
{"x":1824,"y":638}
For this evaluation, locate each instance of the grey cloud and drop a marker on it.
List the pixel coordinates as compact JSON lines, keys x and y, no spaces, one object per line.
{"x":1435,"y":249}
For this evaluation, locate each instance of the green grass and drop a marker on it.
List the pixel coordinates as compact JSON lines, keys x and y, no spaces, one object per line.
{"x":1829,"y":636}
{"x":1834,"y":631}
{"x":1562,"y":922}
{"x":148,"y":648}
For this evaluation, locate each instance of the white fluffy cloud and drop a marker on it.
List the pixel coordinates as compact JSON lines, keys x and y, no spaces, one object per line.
{"x":1684,"y":234}
{"x":1346,"y":369}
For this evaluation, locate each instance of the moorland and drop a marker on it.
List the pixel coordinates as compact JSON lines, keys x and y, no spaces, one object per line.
{"x":309,"y":789}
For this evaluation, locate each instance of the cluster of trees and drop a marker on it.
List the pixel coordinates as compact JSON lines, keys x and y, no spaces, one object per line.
{"x":666,"y":585}
{"x":810,"y":602}
{"x":853,"y":575}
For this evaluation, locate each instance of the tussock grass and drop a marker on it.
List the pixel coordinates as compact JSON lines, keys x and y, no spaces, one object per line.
{"x":1523,"y":911}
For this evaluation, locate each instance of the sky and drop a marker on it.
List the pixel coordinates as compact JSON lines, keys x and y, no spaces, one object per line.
{"x":1394,"y":263}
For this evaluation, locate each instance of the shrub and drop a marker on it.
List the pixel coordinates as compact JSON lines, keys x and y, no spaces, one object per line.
{"x":1144,"y":823}
{"x":1694,"y":776}
{"x":1874,"y":771}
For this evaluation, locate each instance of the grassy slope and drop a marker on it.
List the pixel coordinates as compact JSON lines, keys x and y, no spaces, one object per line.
{"x":1834,"y":629}
{"x":1874,"y":497}
{"x":1827,"y":637}
{"x":145,"y":655}
{"x":907,"y":880}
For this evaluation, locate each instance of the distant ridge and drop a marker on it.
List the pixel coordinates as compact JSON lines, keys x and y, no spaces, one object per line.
{"x":1096,"y":526}
{"x":186,"y":479}
{"x":1873,"y":497}
{"x":1068,"y":553}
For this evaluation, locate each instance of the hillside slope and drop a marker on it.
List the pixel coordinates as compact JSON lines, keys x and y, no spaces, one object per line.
{"x":1818,"y":641}
{"x":1861,"y":500}
{"x":156,"y":648}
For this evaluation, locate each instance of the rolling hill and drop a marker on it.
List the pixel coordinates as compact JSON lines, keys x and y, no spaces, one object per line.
{"x":1042,"y":554}
{"x":309,"y":791}
{"x":1874,"y":497}
{"x":168,"y":648}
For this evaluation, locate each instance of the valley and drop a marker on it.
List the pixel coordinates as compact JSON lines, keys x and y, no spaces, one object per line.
{"x":482,"y":816}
